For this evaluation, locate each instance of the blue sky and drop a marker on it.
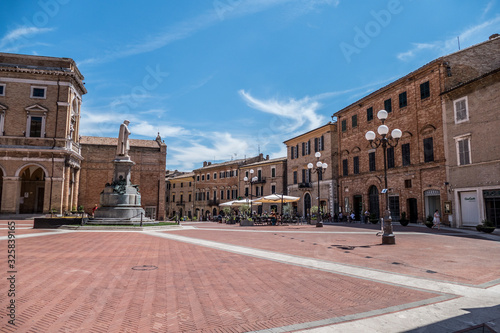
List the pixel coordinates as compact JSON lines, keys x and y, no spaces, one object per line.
{"x":223,"y":79}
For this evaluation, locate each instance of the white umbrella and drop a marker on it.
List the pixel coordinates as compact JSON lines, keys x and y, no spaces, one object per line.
{"x":275,"y":198}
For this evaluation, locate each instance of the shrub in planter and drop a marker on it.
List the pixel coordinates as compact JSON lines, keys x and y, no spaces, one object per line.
{"x":373,"y":218}
{"x":404,"y":221}
{"x":428,"y":222}
{"x":487,"y":226}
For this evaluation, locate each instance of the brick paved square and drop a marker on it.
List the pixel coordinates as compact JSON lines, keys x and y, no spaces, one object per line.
{"x":85,"y":282}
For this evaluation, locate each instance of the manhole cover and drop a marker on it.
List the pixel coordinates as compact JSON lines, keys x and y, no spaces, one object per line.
{"x":144,"y":268}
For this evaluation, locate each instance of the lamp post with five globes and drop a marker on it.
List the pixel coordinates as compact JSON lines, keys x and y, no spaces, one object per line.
{"x":384,"y":141}
{"x":252,"y":181}
{"x":320,"y":167}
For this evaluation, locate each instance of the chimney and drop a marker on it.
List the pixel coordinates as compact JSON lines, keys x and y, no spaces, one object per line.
{"x":205,"y":164}
{"x":267,"y":157}
{"x":494,"y":36}
{"x":209,"y":163}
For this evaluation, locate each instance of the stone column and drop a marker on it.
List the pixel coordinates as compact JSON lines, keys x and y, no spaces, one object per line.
{"x":11,"y":194}
{"x":57,"y":194}
{"x":66,"y":203}
{"x":76,"y":188}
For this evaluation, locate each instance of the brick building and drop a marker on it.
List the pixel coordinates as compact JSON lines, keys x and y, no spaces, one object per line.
{"x":303,"y":182}
{"x":472,"y":132}
{"x":416,"y":167}
{"x":180,"y":198}
{"x":40,"y":157}
{"x":271,"y":178}
{"x":217,"y":183}
{"x":148,"y":172}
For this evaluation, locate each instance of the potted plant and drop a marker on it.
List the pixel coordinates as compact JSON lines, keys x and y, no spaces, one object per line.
{"x":486,"y":226}
{"x":404,"y":221}
{"x":373,"y":218}
{"x":429,"y":222}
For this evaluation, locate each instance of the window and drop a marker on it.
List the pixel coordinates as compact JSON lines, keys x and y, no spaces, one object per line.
{"x":322,"y":143}
{"x":215,"y":176}
{"x":222,"y":194}
{"x":303,"y":148}
{"x":173,"y":197}
{"x":371,"y":161}
{"x":345,"y":170}
{"x":228,"y":194}
{"x":257,"y":191}
{"x":273,"y":189}
{"x":405,"y":150}
{"x":356,"y":164}
{"x":292,"y":155}
{"x":295,"y":177}
{"x":259,"y":174}
{"x":208,"y":176}
{"x":189,"y":198}
{"x":198,"y":178}
{"x":344,"y":125}
{"x":189,"y":184}
{"x":35,"y":126}
{"x":208,"y":196}
{"x":320,"y":174}
{"x":308,"y":147}
{"x":428,"y":150}
{"x":407,"y":183}
{"x":182,"y":197}
{"x":273,"y":172}
{"x":461,"y":111}
{"x":355,"y":121}
{"x":425,"y":90}
{"x":182,"y":184}
{"x":2,"y":89}
{"x":369,"y":114}
{"x":463,"y":150}
{"x":403,"y":100}
{"x":297,"y":151}
{"x":390,"y":157}
{"x":202,"y":177}
{"x":388,"y":105}
{"x":316,"y":144}
{"x":38,"y":92}
{"x":246,"y":191}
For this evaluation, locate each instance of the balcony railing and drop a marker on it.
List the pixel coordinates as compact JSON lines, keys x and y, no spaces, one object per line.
{"x":305,"y":185}
{"x":213,"y":202}
{"x":180,"y":203}
{"x":262,"y":180}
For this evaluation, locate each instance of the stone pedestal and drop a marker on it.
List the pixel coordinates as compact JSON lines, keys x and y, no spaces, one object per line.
{"x":388,"y":237}
{"x":120,"y":201}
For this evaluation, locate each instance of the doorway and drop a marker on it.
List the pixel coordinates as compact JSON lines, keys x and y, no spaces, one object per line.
{"x":32,"y":190}
{"x":307,"y":204}
{"x":358,"y":207}
{"x":432,"y":202}
{"x":411,"y":203}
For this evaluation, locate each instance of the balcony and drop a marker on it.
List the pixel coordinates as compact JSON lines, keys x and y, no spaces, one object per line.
{"x":262,"y":180}
{"x":213,"y":202}
{"x":305,"y":185}
{"x":180,"y":203}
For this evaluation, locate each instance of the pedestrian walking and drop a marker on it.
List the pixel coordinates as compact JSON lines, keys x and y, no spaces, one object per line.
{"x":437,"y":220}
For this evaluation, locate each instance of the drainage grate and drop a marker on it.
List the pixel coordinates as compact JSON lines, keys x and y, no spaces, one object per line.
{"x":144,"y":268}
{"x":431,"y":272}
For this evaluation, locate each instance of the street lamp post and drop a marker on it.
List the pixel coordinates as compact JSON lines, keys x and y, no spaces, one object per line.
{"x":320,"y":166}
{"x":252,"y":181}
{"x":384,"y":141}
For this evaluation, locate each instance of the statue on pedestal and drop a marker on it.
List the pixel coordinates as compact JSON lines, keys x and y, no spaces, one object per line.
{"x":123,"y":145}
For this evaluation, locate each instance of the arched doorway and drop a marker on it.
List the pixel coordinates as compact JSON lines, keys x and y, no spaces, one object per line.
{"x":32,"y":190}
{"x":374,"y":201}
{"x":214,"y":212}
{"x":307,"y":204}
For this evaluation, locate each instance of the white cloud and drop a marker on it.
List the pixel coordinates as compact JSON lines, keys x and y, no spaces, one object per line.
{"x":488,"y":7}
{"x":210,"y":146}
{"x":17,"y":38}
{"x":300,"y":113}
{"x":468,"y":37}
